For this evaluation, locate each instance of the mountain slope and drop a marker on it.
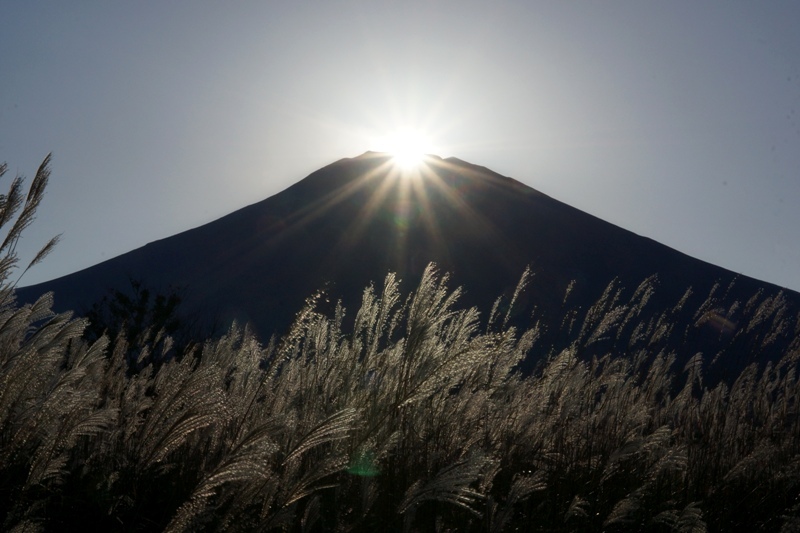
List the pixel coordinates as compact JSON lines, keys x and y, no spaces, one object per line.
{"x":351,"y":222}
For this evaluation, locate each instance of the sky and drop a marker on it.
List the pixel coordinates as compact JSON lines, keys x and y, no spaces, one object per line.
{"x":678,"y":120}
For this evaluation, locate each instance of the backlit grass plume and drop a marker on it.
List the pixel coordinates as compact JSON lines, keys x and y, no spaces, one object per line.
{"x":417,"y":418}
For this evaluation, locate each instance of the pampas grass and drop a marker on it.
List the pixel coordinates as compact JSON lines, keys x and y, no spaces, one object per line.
{"x":416,"y":419}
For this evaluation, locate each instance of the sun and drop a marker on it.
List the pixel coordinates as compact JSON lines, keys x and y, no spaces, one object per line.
{"x":407,"y":146}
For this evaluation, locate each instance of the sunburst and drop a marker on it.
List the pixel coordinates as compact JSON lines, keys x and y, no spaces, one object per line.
{"x":407,"y":146}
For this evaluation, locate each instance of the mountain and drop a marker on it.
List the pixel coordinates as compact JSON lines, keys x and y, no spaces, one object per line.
{"x":351,"y":222}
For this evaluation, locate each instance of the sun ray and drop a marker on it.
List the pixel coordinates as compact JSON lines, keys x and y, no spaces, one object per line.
{"x":407,"y":147}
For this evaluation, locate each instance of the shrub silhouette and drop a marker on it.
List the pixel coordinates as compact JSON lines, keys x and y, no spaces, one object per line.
{"x":147,"y":321}
{"x":417,"y":419}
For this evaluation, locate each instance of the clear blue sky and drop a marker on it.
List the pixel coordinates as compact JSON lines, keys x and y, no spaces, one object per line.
{"x":678,"y":120}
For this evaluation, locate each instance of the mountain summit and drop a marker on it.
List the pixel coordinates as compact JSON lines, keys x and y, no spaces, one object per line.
{"x":349,"y":223}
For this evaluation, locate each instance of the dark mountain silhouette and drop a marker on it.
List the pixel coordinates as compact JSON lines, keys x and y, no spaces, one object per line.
{"x":349,"y":223}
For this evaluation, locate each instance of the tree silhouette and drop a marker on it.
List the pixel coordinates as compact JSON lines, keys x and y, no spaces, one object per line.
{"x":148,"y":322}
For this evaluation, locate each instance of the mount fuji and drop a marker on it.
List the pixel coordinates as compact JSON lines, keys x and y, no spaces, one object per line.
{"x":348,"y":224}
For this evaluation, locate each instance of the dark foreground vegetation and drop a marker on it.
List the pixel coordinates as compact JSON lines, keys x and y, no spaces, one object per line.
{"x":417,"y":419}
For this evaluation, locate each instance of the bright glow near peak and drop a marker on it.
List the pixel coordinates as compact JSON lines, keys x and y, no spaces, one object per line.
{"x":408,"y":147}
